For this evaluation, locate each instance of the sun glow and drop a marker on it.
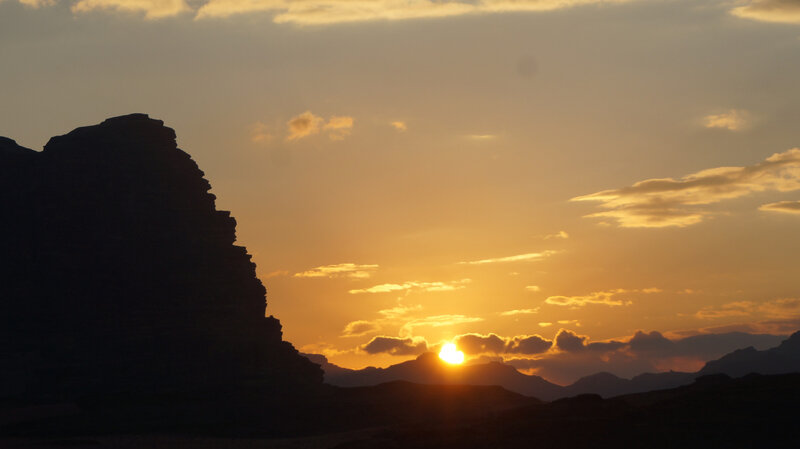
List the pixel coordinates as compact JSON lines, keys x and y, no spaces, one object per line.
{"x":451,"y":355}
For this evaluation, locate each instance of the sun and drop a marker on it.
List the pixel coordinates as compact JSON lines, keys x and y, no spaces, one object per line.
{"x":451,"y":355}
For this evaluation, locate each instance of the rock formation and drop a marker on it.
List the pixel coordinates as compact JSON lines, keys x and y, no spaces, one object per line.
{"x":117,"y":273}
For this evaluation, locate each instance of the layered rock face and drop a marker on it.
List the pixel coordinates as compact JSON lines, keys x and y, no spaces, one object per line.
{"x":117,"y":273}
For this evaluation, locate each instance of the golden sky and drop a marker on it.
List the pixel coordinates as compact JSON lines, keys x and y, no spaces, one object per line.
{"x":537,"y":180}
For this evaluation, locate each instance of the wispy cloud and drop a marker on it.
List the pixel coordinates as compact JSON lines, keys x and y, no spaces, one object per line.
{"x":37,"y":3}
{"x":415,"y":286}
{"x":679,"y":202}
{"x":782,"y":308}
{"x":739,"y":308}
{"x":557,"y":235}
{"x":607,"y":298}
{"x":780,"y":11}
{"x":260,"y":133}
{"x":339,"y":127}
{"x":400,"y":311}
{"x":786,"y":207}
{"x":151,"y":9}
{"x":400,"y":126}
{"x":518,"y":258}
{"x":359,"y":328}
{"x":732,"y":120}
{"x":533,"y":288}
{"x":519,"y":312}
{"x":322,"y":12}
{"x":349,"y":270}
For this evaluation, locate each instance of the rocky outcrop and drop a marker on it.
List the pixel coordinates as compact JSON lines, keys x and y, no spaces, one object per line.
{"x":117,"y":273}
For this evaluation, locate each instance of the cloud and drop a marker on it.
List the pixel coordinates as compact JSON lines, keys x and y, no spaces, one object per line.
{"x":679,"y":202}
{"x":400,"y":126}
{"x":473,"y":344}
{"x":568,"y":341}
{"x":780,"y":11}
{"x":528,"y":344}
{"x":493,"y":344}
{"x":607,"y":298}
{"x":395,"y":346}
{"x":519,"y":312}
{"x":359,"y":328}
{"x":303,"y":125}
{"x":37,"y":3}
{"x":545,"y":324}
{"x":415,"y":286}
{"x":786,"y":207}
{"x":260,"y":133}
{"x":322,"y":12}
{"x":558,"y":235}
{"x":575,"y":322}
{"x":339,"y":127}
{"x":399,"y":311}
{"x":732,"y":120}
{"x":740,"y":308}
{"x":517,"y":258}
{"x":533,"y":288}
{"x":276,"y":273}
{"x":348,"y":270}
{"x":152,"y":9}
{"x":783,"y":308}
{"x":574,"y":356}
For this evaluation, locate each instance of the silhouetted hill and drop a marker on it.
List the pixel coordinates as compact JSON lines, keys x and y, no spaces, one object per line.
{"x":782,"y":359}
{"x":751,"y":412}
{"x":118,"y":273}
{"x":428,"y":368}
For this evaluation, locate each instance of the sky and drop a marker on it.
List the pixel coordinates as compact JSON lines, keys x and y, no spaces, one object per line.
{"x":567,"y":185}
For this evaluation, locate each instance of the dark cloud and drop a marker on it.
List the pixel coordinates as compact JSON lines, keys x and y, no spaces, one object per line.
{"x":473,"y":344}
{"x":576,"y":356}
{"x":528,"y":344}
{"x":569,"y":341}
{"x":395,"y":346}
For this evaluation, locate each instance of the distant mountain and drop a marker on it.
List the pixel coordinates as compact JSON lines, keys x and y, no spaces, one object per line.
{"x":429,"y":369}
{"x":779,"y":360}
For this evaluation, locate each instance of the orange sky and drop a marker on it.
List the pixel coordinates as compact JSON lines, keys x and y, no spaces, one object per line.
{"x":422,"y":170}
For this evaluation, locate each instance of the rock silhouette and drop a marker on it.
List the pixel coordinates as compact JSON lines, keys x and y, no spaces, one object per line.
{"x":118,"y":273}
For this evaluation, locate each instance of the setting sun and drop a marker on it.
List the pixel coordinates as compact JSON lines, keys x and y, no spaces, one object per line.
{"x":451,"y":355}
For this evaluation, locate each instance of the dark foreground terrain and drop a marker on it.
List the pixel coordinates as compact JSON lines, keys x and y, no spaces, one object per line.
{"x":716,"y":411}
